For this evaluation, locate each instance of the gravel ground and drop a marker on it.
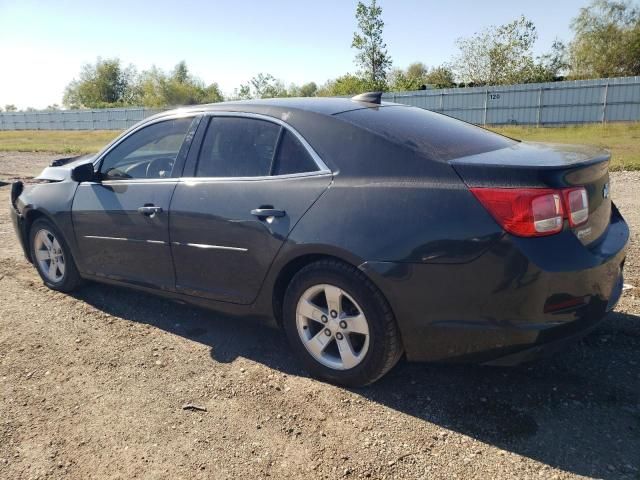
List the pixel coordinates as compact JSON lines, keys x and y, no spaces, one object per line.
{"x":93,"y":386}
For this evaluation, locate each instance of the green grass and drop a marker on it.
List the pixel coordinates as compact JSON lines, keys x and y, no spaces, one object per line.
{"x":622,"y":139}
{"x":55,"y":141}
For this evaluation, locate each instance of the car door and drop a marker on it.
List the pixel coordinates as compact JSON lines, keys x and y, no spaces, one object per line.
{"x":121,"y":221}
{"x":253,"y":180}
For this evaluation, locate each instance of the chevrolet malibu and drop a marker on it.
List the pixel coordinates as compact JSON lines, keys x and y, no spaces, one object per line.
{"x":365,"y":230}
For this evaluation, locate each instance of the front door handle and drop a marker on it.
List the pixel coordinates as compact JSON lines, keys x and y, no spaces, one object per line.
{"x":149,"y":210}
{"x":268,"y":212}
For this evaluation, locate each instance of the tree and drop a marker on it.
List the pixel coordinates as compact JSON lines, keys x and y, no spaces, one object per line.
{"x":345,"y":85}
{"x":440,"y":77}
{"x":155,"y":88}
{"x":413,"y":78}
{"x":263,"y":85}
{"x":10,"y":108}
{"x":105,"y":83}
{"x":552,"y":65}
{"x":267,"y":86}
{"x":372,"y":57}
{"x":306,"y":90}
{"x":418,"y":75}
{"x":498,"y":55}
{"x":242,"y":93}
{"x":606,"y":40}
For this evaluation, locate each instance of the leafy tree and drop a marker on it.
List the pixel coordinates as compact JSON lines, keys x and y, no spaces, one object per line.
{"x":267,"y":86}
{"x":155,"y":88}
{"x":418,"y":75}
{"x":498,"y":55}
{"x":344,"y":86}
{"x":242,"y":93}
{"x":263,"y":85}
{"x":440,"y":77}
{"x":410,"y":79}
{"x":10,"y":108}
{"x":372,"y":57}
{"x":606,"y":41}
{"x":309,"y":89}
{"x":105,"y":83}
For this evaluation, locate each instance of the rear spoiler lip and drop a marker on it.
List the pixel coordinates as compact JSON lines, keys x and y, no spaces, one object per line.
{"x":546,"y":156}
{"x":533,"y":166}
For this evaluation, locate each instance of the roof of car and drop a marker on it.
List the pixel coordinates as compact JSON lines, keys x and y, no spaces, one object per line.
{"x":320,"y":105}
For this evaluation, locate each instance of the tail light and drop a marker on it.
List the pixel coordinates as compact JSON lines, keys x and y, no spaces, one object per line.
{"x":534,"y":212}
{"x":577,"y":204}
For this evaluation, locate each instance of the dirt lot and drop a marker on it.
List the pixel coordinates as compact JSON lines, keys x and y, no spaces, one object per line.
{"x":93,"y":385}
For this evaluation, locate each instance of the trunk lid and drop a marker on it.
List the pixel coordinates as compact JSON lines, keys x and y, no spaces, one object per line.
{"x":539,"y":165}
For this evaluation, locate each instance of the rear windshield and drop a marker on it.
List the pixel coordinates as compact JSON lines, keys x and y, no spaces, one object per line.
{"x":435,"y":135}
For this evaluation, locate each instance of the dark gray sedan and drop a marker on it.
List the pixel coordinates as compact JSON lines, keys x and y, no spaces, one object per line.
{"x":366,"y":230}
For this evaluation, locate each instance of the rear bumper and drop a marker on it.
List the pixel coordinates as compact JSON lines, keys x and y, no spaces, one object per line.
{"x":520,"y":299}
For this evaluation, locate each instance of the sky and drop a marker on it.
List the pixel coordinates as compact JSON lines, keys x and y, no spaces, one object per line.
{"x":43,"y":44}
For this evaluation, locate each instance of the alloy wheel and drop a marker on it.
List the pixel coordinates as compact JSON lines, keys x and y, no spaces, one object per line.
{"x":332,"y":327}
{"x":49,"y":255}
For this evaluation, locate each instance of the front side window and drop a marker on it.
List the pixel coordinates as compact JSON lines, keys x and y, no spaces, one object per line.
{"x":148,"y":153}
{"x":238,"y":147}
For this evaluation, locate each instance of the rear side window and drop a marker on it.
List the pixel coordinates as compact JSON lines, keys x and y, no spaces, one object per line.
{"x":237,"y":147}
{"x":292,"y":156}
{"x":437,"y":136}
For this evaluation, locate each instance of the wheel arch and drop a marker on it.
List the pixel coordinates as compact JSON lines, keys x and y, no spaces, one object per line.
{"x":30,"y":216}
{"x":295,"y":264}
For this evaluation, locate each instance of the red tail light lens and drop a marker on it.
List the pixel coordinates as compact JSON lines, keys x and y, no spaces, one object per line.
{"x":577,"y":205}
{"x":526,"y":212}
{"x":534,"y":212}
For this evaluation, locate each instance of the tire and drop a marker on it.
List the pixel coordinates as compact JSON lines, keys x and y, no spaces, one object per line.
{"x":353,"y":346}
{"x":65,"y":276}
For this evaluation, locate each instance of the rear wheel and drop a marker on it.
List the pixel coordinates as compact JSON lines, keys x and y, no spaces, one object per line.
{"x":340,"y":324}
{"x":52,"y":258}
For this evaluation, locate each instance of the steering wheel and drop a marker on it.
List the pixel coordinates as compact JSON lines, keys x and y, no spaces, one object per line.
{"x":159,"y":167}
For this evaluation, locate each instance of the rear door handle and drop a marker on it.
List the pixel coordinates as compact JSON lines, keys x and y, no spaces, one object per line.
{"x":268,"y":212}
{"x":149,"y":210}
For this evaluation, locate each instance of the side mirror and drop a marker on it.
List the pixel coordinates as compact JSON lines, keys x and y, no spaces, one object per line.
{"x":83,"y":173}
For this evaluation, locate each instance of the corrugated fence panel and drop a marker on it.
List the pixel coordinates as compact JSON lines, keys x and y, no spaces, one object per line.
{"x":554,"y":103}
{"x":103,"y":119}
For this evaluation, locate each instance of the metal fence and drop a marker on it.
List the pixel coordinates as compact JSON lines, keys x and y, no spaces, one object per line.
{"x":555,"y":103}
{"x":104,"y":119}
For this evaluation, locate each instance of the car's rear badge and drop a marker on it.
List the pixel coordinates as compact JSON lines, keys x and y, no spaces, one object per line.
{"x":605,"y":190}
{"x":585,"y":232}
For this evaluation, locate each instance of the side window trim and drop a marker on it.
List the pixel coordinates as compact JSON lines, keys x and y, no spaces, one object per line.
{"x":186,"y":146}
{"x":276,"y":151}
{"x":192,"y":163}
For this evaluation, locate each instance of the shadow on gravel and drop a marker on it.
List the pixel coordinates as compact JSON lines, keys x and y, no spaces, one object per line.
{"x":579,"y":411}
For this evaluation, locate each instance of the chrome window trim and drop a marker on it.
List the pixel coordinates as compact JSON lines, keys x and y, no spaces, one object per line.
{"x":322,"y":167}
{"x":193,"y":180}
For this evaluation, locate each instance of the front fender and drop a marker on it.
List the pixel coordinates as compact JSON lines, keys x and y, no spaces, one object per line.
{"x":50,"y":200}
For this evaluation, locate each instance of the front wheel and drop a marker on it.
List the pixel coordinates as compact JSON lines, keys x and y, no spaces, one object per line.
{"x":340,"y":324}
{"x":52,"y":257}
